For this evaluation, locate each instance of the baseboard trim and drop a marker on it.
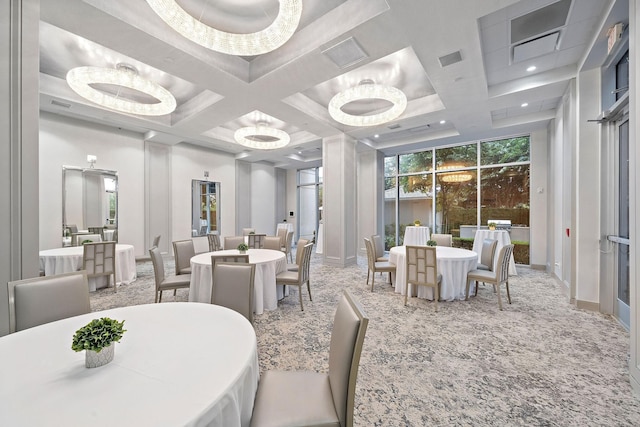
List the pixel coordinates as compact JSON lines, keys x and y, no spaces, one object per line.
{"x":588,"y":305}
{"x":541,"y":267}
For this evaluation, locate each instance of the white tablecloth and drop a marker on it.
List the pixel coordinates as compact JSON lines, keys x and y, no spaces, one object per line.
{"x":320,"y":239}
{"x":453,"y":264}
{"x":268,"y":264}
{"x":69,"y":259}
{"x":286,"y":225}
{"x":416,"y":236}
{"x":178,"y":364}
{"x":502,"y":236}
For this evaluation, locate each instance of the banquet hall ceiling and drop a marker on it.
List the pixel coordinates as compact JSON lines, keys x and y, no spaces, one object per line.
{"x":462,"y":65}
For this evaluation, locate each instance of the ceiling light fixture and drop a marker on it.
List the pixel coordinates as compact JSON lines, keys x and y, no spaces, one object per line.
{"x":367,"y":90}
{"x":80,"y":80}
{"x":249,"y":44}
{"x":443,"y":122}
{"x":459,"y":176}
{"x":524,"y":104}
{"x":531,"y":68}
{"x":262,"y":137}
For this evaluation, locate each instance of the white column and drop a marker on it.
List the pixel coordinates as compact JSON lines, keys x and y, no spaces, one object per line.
{"x":19,"y":103}
{"x":370,"y":178}
{"x":339,"y":202}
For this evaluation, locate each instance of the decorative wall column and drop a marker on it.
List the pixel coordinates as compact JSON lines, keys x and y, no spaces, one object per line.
{"x":19,"y":105}
{"x":339,"y":200}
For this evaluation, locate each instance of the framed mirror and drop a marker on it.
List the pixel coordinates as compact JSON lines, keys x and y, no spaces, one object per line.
{"x":205,"y":208}
{"x":89,"y":202}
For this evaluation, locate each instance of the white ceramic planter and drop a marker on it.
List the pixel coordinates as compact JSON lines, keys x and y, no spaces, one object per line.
{"x":95,"y":359}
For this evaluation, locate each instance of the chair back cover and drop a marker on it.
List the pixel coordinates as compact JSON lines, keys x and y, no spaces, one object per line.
{"x":347,"y":337}
{"x":232,"y":286}
{"x":40,"y":300}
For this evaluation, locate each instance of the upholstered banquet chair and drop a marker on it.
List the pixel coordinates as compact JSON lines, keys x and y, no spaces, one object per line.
{"x":422,"y":270}
{"x":232,"y":286}
{"x":487,"y":257}
{"x":272,"y":242}
{"x":183,"y":251}
{"x":443,"y":239}
{"x":299,"y":252}
{"x":97,"y":230}
{"x":164,"y":283}
{"x":82,"y":238}
{"x":214,"y":242}
{"x":243,"y":258}
{"x":99,"y":259}
{"x":377,"y":266}
{"x":497,"y":277}
{"x":256,"y":241}
{"x":232,"y":242}
{"x":287,"y":245}
{"x":303,"y":398}
{"x":298,"y":278}
{"x":282,"y":234}
{"x":40,"y":300}
{"x":156,"y":241}
{"x":378,"y":246}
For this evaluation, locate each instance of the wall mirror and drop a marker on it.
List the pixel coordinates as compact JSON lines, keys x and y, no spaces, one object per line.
{"x":205,"y":207}
{"x":89,"y":201}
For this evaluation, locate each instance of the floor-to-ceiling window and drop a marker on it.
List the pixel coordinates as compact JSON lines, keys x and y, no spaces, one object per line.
{"x":455,"y":190}
{"x":309,"y":202}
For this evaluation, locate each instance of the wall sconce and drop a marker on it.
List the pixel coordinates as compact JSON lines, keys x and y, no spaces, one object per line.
{"x":92,"y":160}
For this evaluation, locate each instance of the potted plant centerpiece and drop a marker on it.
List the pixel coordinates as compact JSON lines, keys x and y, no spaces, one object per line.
{"x":243,"y":248}
{"x":417,"y":223}
{"x":98,"y":338}
{"x":492,"y":225}
{"x":432,"y":243}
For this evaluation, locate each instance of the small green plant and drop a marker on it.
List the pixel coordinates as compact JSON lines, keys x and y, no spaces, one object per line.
{"x":67,"y":232}
{"x":252,"y":232}
{"x":492,"y":225}
{"x":98,"y":334}
{"x":417,"y":223}
{"x":242,"y":247}
{"x":432,"y":243}
{"x":87,"y":241}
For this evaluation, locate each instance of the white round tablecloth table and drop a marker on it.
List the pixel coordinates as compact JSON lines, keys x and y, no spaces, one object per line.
{"x":416,"y":236}
{"x":268,"y":264}
{"x":69,"y":259}
{"x":503,"y":238}
{"x":453,"y":264}
{"x":178,"y":364}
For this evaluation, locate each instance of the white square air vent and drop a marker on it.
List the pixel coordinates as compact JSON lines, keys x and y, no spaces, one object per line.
{"x":345,"y":53}
{"x":536,"y":47}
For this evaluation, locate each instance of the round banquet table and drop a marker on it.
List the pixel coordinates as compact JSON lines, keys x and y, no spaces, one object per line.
{"x":178,"y":364}
{"x":417,"y":236}
{"x":503,"y":238}
{"x":453,"y":264}
{"x":268,"y":264}
{"x":69,"y":259}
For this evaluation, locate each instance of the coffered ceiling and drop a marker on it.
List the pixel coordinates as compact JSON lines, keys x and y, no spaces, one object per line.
{"x":463,"y":65}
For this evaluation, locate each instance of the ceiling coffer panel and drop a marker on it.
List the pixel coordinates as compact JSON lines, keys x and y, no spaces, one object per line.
{"x":539,"y":22}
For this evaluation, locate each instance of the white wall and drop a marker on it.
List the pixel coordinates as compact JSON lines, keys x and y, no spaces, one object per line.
{"x":539,"y":197}
{"x":65,"y":141}
{"x":263,"y":199}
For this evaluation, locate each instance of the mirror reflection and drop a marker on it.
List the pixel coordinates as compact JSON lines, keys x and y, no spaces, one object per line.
{"x":89,"y":203}
{"x":205,"y":208}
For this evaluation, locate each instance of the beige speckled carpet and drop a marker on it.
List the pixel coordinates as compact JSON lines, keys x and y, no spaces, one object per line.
{"x":540,"y":362}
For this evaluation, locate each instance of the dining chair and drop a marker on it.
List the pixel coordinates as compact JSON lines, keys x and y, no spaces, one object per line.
{"x":183,"y":251}
{"x":287,"y":245}
{"x":256,"y":241}
{"x":232,"y":286}
{"x":422,"y":270}
{"x":282,"y":234}
{"x":88,"y":238}
{"x":156,"y":241}
{"x":243,"y":258}
{"x":299,"y":252}
{"x":497,"y":277}
{"x":96,"y":230}
{"x":300,"y":277}
{"x":377,"y":266}
{"x":40,"y":300}
{"x":99,"y":259}
{"x":378,"y":246}
{"x":316,"y":398}
{"x":232,"y":242}
{"x":72,"y":228}
{"x":164,"y":283}
{"x":487,"y":257}
{"x":442,"y":239}
{"x":272,"y":242}
{"x":246,"y":231}
{"x":214,"y":242}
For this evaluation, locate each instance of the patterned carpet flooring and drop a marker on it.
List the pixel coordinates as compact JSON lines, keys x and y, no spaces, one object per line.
{"x":540,"y":362}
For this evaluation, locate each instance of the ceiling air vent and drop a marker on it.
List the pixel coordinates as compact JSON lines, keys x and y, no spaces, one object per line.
{"x":451,"y":58}
{"x":394,"y":126}
{"x":539,"y":22}
{"x":420,"y":128}
{"x":60,"y":104}
{"x":536,"y":47}
{"x":345,"y":53}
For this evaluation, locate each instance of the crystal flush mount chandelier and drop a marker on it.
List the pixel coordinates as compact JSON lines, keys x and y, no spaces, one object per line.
{"x":250,"y":44}
{"x":80,"y":80}
{"x":459,"y":176}
{"x":367,"y":89}
{"x":262,"y":137}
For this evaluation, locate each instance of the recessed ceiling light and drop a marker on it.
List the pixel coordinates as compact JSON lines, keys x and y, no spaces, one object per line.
{"x":531,"y":68}
{"x":443,"y":122}
{"x":376,"y":136}
{"x":524,"y":104}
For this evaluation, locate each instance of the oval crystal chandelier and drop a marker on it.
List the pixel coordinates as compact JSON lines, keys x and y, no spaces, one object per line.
{"x":250,"y":44}
{"x":459,"y":176}
{"x":367,"y":89}
{"x":80,"y":80}
{"x":264,"y":137}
